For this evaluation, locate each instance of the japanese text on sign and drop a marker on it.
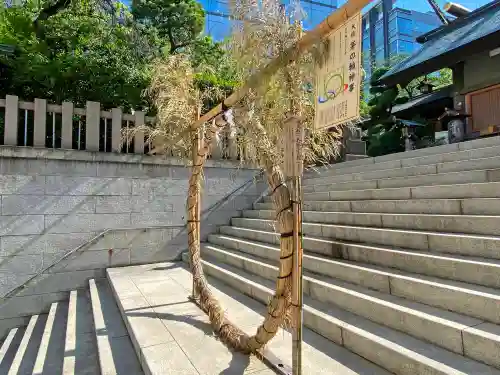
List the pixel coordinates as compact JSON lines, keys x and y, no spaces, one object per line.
{"x":338,"y":76}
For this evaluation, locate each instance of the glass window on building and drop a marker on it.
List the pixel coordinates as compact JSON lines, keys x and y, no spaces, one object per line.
{"x":380,"y":13}
{"x":375,"y":13}
{"x":405,"y":47}
{"x":405,"y":26}
{"x":315,"y":13}
{"x":220,"y":6}
{"x":318,"y":14}
{"x":366,"y":42}
{"x":210,"y":5}
{"x":364,"y":24}
{"x":217,"y":27}
{"x":379,"y":35}
{"x":393,"y":48}
{"x":367,"y":64}
{"x":307,"y":9}
{"x":205,"y":4}
{"x":393,"y":28}
{"x":422,"y":28}
{"x":380,"y":57}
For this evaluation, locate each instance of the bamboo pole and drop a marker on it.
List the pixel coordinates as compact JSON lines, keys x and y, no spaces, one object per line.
{"x":196,"y":146}
{"x":310,"y":38}
{"x":294,"y":133}
{"x":297,"y":281}
{"x":293,"y":138}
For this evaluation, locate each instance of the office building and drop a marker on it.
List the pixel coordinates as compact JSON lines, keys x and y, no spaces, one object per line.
{"x":217,"y":23}
{"x":389,"y":32}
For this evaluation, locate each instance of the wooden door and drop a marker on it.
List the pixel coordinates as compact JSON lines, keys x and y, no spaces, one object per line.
{"x":484,"y":106}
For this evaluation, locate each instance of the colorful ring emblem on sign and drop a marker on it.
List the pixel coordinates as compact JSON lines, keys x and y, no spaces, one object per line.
{"x":334,"y":86}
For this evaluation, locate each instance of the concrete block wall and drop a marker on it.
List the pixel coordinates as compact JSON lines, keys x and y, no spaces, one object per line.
{"x":53,"y":201}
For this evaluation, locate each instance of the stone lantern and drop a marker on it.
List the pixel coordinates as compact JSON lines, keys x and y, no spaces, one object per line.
{"x":455,"y":122}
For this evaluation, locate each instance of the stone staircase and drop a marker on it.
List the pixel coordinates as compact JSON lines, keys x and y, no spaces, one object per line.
{"x":401,"y":276}
{"x":82,"y":336}
{"x":402,"y":258}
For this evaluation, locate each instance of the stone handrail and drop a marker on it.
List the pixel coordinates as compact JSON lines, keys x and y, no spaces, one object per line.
{"x":80,"y":249}
{"x":83,"y":247}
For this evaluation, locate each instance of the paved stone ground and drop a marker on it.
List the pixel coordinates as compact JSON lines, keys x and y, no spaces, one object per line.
{"x":173,"y":334}
{"x":175,"y":337}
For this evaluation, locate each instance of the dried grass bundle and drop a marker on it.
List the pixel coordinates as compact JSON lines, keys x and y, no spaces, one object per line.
{"x":177,"y":101}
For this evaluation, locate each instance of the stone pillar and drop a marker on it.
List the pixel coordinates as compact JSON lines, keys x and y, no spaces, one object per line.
{"x":456,"y":130}
{"x":11,"y":118}
{"x":40,"y":123}
{"x":67,"y":126}
{"x":116,"y":129}
{"x":139,"y":135}
{"x":458,"y":97}
{"x":93,"y":117}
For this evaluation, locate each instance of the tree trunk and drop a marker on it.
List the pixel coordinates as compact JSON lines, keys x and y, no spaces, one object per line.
{"x":278,"y":309}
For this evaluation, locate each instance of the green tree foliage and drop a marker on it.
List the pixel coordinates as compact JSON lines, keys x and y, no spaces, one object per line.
{"x":83,"y":50}
{"x":384,"y":131}
{"x":179,"y":21}
{"x":384,"y":134}
{"x":81,"y":54}
{"x":439,"y":79}
{"x":213,"y":66}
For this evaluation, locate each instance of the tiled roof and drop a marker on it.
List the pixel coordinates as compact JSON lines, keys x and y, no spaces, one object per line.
{"x":423,"y":99}
{"x":459,"y":33}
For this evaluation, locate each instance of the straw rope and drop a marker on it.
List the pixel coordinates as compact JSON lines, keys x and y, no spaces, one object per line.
{"x":278,"y":308}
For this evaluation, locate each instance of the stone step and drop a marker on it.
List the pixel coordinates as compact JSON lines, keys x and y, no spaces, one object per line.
{"x":480,"y":271}
{"x":24,"y":360}
{"x":115,"y":351}
{"x":478,"y":147}
{"x":466,"y":206}
{"x":190,"y":347}
{"x":457,"y":166}
{"x":440,"y":327}
{"x":9,"y":348}
{"x":372,"y":175}
{"x":395,"y":351}
{"x":473,"y":224}
{"x":471,"y":159}
{"x":469,"y":299}
{"x":457,"y":191}
{"x":50,"y":355}
{"x":349,"y":157}
{"x":80,"y":348}
{"x":144,"y":328}
{"x":457,"y":156}
{"x":450,"y":243}
{"x":449,"y":178}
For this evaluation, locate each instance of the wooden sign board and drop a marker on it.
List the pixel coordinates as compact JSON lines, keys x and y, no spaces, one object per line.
{"x":338,"y":76}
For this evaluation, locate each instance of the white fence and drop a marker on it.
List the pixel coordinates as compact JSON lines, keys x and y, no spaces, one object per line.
{"x":39,"y":124}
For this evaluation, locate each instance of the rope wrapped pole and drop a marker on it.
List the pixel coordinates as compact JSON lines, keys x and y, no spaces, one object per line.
{"x":293,"y":139}
{"x":196,"y":146}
